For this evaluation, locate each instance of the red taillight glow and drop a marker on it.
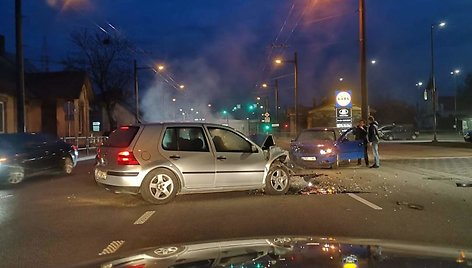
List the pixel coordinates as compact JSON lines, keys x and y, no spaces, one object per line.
{"x":126,"y":158}
{"x":74,"y":148}
{"x":124,"y":128}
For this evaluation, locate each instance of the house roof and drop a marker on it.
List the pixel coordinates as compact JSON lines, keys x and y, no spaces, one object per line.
{"x":66,"y":85}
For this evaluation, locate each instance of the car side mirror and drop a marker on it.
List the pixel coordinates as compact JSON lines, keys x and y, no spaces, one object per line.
{"x":254,"y":149}
{"x":269,"y":142}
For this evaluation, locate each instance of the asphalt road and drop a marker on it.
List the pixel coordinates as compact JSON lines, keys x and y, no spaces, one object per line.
{"x":54,"y":221}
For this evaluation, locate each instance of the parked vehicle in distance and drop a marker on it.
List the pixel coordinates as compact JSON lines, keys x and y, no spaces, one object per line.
{"x":468,"y":136}
{"x":160,"y":160}
{"x":24,"y":155}
{"x":325,"y":147}
{"x":398,"y":132}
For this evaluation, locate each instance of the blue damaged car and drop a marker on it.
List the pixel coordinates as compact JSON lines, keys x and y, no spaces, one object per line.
{"x":325,"y":147}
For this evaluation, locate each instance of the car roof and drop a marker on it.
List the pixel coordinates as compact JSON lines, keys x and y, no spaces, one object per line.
{"x":179,"y":124}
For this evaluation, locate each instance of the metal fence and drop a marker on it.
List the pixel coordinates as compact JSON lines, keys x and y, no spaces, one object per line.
{"x":86,"y":144}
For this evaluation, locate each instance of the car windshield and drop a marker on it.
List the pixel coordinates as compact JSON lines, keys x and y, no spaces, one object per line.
{"x":323,"y":135}
{"x":207,"y":133}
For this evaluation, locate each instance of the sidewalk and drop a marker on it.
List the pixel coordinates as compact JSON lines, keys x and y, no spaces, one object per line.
{"x":83,"y":156}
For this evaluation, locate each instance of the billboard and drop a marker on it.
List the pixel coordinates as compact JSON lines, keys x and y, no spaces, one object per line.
{"x":343,"y":108}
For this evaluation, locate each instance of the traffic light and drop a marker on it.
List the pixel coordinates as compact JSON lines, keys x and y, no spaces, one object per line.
{"x":267,"y":127}
{"x":250,"y":107}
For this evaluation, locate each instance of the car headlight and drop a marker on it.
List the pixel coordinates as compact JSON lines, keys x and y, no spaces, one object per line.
{"x":327,"y":151}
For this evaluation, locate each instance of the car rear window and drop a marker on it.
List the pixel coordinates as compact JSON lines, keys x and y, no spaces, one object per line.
{"x":122,"y":136}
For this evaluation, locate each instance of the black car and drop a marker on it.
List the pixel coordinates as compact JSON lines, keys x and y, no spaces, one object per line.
{"x":468,"y":136}
{"x":26,"y":154}
{"x":398,"y":132}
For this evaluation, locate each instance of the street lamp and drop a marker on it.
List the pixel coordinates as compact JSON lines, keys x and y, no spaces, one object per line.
{"x":341,"y":79}
{"x":174,"y":100}
{"x":136,"y":86}
{"x":295,"y":64}
{"x":454,"y":74}
{"x":181,"y":86}
{"x":433,"y":80}
{"x":258,"y":98}
{"x":373,"y":61}
{"x":418,"y":86}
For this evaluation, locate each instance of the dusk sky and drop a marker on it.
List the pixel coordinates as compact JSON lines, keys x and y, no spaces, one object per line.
{"x":221,"y":48}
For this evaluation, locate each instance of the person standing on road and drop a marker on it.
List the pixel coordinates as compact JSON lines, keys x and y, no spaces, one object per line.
{"x":374,"y":139}
{"x":361,"y":134}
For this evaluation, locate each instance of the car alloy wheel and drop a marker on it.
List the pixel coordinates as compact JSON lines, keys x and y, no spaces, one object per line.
{"x":68,"y":165}
{"x":159,"y":186}
{"x":16,"y":176}
{"x":277,"y":181}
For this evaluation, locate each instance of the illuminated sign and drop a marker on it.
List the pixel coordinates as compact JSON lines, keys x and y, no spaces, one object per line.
{"x":343,"y":99}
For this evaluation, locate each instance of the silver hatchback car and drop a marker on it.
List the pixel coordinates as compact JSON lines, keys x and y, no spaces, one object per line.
{"x":161,"y":160}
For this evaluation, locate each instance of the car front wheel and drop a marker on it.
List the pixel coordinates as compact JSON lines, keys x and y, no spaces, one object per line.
{"x":159,"y":186}
{"x":278,"y":180}
{"x":67,"y":165}
{"x":17,"y":175}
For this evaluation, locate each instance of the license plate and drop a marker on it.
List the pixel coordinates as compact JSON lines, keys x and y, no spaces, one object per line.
{"x":100,"y":175}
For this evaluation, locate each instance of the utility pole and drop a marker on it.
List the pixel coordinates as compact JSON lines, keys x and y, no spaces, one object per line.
{"x":433,"y":92}
{"x":276,"y":88}
{"x":136,"y":93}
{"x":20,"y":69}
{"x":362,"y":40}
{"x":295,"y":62}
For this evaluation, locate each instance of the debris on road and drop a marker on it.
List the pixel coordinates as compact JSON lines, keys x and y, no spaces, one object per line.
{"x":410,"y":205}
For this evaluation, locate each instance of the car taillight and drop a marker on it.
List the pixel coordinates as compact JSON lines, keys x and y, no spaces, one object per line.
{"x":127,"y":158}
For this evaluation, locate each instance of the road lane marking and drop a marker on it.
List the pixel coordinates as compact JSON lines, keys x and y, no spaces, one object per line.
{"x":112,"y":247}
{"x":365,"y":202}
{"x":144,"y":217}
{"x":6,"y":196}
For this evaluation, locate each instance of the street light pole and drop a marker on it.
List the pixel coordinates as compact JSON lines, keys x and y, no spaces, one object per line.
{"x":433,"y":83}
{"x":363,"y":65}
{"x":276,"y":88}
{"x":136,"y":93}
{"x":20,"y":69}
{"x":295,"y":62}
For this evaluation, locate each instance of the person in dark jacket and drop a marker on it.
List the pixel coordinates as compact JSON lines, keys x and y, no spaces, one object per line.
{"x":361,"y":134}
{"x":374,"y":139}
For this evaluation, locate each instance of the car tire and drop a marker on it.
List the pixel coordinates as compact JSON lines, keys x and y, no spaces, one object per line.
{"x":160,"y":186}
{"x":335,"y":165}
{"x":67,"y":165}
{"x":277,"y":181}
{"x":17,"y":175}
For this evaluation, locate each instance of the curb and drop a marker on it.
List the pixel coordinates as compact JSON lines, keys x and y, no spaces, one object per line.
{"x":85,"y":158}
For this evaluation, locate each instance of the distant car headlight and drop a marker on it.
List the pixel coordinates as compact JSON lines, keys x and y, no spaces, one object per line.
{"x":327,"y":151}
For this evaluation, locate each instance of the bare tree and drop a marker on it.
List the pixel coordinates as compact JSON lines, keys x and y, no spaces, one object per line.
{"x":106,"y":58}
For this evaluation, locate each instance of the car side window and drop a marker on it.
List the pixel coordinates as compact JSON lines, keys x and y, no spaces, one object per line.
{"x":228,"y":141}
{"x":190,"y":139}
{"x":349,"y":135}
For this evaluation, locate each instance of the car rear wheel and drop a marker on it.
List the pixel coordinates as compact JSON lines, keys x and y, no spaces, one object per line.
{"x":278,"y":180}
{"x":160,"y":186}
{"x":67,"y":165}
{"x":16,"y":175}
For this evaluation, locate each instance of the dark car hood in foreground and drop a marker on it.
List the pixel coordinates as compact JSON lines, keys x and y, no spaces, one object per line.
{"x":292,"y":252}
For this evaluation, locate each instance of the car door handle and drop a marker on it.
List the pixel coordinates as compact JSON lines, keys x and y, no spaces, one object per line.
{"x":175,"y":157}
{"x":221,"y":157}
